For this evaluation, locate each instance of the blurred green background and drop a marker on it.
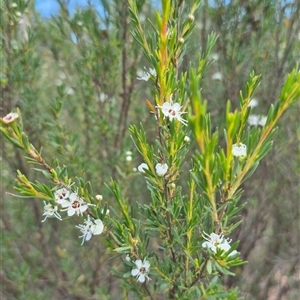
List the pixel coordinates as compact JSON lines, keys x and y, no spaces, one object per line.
{"x":74,"y":78}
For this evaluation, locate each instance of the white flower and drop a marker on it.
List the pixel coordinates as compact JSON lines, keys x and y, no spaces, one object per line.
{"x":152,"y":72}
{"x":161,"y":169}
{"x":61,"y":194}
{"x":128,"y":158}
{"x":254,"y":120}
{"x":142,"y":167}
{"x":172,"y":111}
{"x":239,"y":150}
{"x":147,"y":74}
{"x":141,"y":270}
{"x":128,"y":153}
{"x":145,"y":77}
{"x":50,"y":211}
{"x":9,"y":118}
{"x":103,"y":97}
{"x":214,"y":241}
{"x":262,"y":120}
{"x":217,"y":76}
{"x":74,"y":205}
{"x":187,"y":139}
{"x":90,"y":228}
{"x":253,"y":103}
{"x":215,"y":56}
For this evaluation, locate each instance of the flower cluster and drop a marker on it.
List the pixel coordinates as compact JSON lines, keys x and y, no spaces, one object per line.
{"x":71,"y":202}
{"x":214,"y":241}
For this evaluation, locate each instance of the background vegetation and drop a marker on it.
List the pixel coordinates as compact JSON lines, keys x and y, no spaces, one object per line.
{"x":74,"y":78}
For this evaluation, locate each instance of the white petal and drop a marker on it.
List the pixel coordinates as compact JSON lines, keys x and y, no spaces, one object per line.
{"x":166,"y":109}
{"x":83,"y":207}
{"x":138,"y":263}
{"x":135,"y":272}
{"x":88,"y":236}
{"x":176,"y":107}
{"x":224,"y":246}
{"x":142,"y":167}
{"x":98,"y":227}
{"x":71,"y":212}
{"x":142,"y":278}
{"x":64,"y":203}
{"x":73,"y":196}
{"x":146,"y":264}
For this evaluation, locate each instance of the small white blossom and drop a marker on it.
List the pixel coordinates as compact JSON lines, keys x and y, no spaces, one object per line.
{"x":102,"y":97}
{"x":141,"y":270}
{"x":147,"y":74}
{"x":239,"y":150}
{"x":74,"y":205}
{"x":262,"y":120}
{"x":187,"y":139}
{"x":90,"y":228}
{"x":214,"y":241}
{"x":61,"y":194}
{"x":172,"y":111}
{"x":69,"y":90}
{"x":217,"y":76}
{"x":142,"y":167}
{"x":255,"y":120}
{"x":9,"y":118}
{"x":145,"y":77}
{"x":253,"y":102}
{"x":215,"y":56}
{"x":128,"y":153}
{"x":50,"y":211}
{"x":161,"y":169}
{"x":128,"y":158}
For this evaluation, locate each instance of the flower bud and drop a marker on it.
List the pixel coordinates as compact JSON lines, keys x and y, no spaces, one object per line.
{"x":99,"y":197}
{"x":191,"y":18}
